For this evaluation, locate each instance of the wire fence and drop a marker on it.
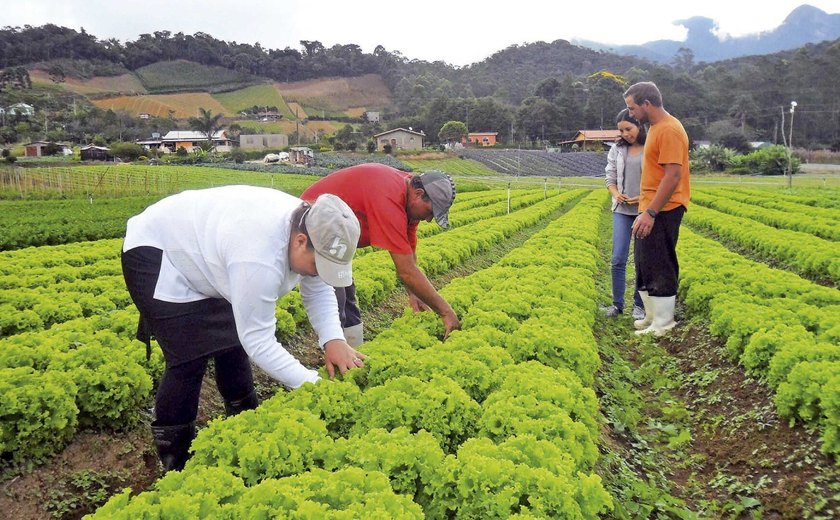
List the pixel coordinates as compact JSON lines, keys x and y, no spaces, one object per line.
{"x":130,"y":180}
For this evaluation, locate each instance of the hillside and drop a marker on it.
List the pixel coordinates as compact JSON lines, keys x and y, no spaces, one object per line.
{"x":513,"y":73}
{"x":179,"y":88}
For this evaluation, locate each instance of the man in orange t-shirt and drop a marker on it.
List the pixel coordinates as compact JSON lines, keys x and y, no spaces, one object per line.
{"x":390,"y":204}
{"x":665,"y":192}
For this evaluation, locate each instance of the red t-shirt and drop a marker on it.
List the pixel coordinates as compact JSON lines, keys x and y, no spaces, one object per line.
{"x":377,"y":195}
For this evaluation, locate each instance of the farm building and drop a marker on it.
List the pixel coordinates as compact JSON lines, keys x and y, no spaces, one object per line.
{"x":20,"y":109}
{"x":189,"y":139}
{"x":95,"y":153}
{"x":400,"y":139}
{"x":36,"y":149}
{"x":592,"y":140}
{"x":481,"y":138}
{"x":263,"y":141}
{"x":301,"y":155}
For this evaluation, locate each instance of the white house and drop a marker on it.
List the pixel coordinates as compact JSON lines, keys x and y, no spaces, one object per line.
{"x":189,"y":139}
{"x":400,"y":139}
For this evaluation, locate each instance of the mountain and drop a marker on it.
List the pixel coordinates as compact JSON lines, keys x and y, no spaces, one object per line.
{"x":805,"y":24}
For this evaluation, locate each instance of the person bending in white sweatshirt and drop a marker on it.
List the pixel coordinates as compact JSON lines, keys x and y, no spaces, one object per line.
{"x":205,"y":268}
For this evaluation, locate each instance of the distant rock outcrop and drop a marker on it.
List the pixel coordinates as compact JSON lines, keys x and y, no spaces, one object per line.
{"x":805,"y":24}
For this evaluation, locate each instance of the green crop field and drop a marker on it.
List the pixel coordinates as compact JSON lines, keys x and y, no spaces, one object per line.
{"x":181,"y":75}
{"x":453,"y":166}
{"x":131,"y":180}
{"x":257,"y":95}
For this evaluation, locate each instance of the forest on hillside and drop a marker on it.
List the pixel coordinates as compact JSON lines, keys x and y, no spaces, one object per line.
{"x":530,"y":94}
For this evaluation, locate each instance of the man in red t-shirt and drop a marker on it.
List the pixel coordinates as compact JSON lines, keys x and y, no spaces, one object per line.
{"x":390,"y":204}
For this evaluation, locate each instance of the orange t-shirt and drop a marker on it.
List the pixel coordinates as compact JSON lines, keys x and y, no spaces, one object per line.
{"x":667,"y":143}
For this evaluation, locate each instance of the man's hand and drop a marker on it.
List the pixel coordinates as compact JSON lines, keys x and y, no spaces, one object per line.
{"x":339,"y":355}
{"x":416,"y":303}
{"x":642,"y":226}
{"x":450,"y":323}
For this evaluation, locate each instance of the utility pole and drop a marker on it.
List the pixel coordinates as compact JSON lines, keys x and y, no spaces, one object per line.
{"x":790,"y":146}
{"x":297,"y":126}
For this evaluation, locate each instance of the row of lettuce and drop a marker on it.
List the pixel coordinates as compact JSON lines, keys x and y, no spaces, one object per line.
{"x":498,"y":421}
{"x":68,"y":358}
{"x":33,"y":223}
{"x":781,"y":327}
{"x":801,"y":252}
{"x":820,"y":222}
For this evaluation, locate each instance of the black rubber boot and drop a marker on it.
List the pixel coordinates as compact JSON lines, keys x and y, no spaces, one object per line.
{"x":249,"y":402}
{"x":173,"y":444}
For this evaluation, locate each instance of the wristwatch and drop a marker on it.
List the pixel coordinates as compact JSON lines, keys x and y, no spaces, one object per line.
{"x":652,"y":212}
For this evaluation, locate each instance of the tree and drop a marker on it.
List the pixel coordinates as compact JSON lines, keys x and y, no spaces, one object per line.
{"x":371,"y":146}
{"x":452,"y":131}
{"x":207,"y":123}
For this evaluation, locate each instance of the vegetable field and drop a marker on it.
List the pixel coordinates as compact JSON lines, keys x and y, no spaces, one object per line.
{"x":538,"y":408}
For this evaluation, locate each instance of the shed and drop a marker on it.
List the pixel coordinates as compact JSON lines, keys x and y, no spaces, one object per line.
{"x":95,"y":153}
{"x":592,"y":139}
{"x":301,"y":155}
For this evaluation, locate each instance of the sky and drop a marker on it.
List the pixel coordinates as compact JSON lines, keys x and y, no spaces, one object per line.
{"x":457,"y":32}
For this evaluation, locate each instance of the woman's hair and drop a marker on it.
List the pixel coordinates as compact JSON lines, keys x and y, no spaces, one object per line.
{"x":299,"y":222}
{"x":624,"y":115}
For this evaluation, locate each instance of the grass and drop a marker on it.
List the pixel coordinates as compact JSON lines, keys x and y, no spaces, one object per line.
{"x":181,"y":105}
{"x":339,"y":94}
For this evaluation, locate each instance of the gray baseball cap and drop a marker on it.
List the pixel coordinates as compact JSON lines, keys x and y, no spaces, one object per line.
{"x":334,"y":231}
{"x":441,"y":190}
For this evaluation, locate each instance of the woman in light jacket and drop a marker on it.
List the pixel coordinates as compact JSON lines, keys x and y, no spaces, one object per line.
{"x":624,"y":174}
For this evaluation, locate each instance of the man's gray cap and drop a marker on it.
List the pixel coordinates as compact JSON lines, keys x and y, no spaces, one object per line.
{"x":441,"y":191}
{"x":334,"y":231}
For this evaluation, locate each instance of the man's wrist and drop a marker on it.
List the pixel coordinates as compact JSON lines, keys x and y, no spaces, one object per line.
{"x":652,"y":212}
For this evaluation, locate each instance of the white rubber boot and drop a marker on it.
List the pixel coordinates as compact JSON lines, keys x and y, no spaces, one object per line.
{"x":663,"y":315}
{"x":648,"y":319}
{"x":354,"y":335}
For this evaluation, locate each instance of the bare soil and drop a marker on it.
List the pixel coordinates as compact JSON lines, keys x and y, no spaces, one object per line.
{"x":741,"y":444}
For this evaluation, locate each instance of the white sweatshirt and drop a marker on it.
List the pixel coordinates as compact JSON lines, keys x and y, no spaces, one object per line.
{"x":232,"y":242}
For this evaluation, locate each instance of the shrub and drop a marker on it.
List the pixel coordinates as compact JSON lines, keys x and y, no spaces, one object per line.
{"x":127,"y":151}
{"x":715,"y":158}
{"x":772,"y":160}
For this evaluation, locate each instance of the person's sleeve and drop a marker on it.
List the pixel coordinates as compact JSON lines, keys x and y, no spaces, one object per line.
{"x":673,"y":148}
{"x":254,"y":292}
{"x":322,"y":309}
{"x":612,"y":169}
{"x":387,"y":224}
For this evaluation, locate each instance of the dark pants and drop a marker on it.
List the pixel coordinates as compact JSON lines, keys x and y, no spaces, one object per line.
{"x":348,"y":309}
{"x":657,"y":268}
{"x":189,"y":335}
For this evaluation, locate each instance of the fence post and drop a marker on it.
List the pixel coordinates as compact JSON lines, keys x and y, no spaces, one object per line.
{"x":545,"y":188}
{"x":508,"y":199}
